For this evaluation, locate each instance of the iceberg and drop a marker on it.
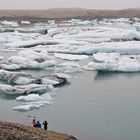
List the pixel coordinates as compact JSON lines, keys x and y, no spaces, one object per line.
{"x":25,"y":22}
{"x":89,"y":66}
{"x":68,"y":67}
{"x":34,"y":101}
{"x":23,"y":89}
{"x":9,"y":23}
{"x":21,"y":78}
{"x":29,"y":98}
{"x":63,"y":75}
{"x":105,"y":57}
{"x":70,"y":56}
{"x":124,"y":63}
{"x":31,"y":63}
{"x":28,"y":107}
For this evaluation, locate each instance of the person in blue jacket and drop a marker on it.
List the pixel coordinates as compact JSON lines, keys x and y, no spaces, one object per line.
{"x":38,"y":124}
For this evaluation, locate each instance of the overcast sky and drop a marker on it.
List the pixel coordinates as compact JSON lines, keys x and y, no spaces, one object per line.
{"x":91,"y":4}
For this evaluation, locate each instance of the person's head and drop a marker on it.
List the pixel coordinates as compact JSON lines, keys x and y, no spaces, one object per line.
{"x":33,"y":119}
{"x":37,"y":121}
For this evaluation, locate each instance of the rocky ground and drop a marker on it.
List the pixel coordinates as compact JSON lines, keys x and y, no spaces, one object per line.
{"x":11,"y":131}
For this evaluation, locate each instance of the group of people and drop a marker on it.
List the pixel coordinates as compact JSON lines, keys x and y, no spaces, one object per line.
{"x":38,"y":124}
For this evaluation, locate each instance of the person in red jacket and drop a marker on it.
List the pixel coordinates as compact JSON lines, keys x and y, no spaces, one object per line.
{"x":34,"y":123}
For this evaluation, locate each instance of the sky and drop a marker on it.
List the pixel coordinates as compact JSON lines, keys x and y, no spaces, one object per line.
{"x":89,"y":4}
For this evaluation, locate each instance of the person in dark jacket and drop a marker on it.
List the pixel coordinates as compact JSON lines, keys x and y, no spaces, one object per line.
{"x":45,"y":123}
{"x":38,"y":124}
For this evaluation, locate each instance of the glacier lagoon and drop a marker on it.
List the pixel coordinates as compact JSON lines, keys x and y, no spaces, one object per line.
{"x":93,"y":104}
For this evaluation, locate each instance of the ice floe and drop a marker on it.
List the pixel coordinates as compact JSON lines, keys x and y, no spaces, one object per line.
{"x":21,"y":78}
{"x":31,"y":61}
{"x":25,"y":22}
{"x":70,"y":56}
{"x":123,"y":63}
{"x":34,"y":101}
{"x":9,"y":23}
{"x":22,"y":89}
{"x":89,"y":66}
{"x":31,"y":97}
{"x":68,"y":67}
{"x":31,"y":106}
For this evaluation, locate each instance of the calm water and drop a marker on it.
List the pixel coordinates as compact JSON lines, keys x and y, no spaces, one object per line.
{"x":95,"y":106}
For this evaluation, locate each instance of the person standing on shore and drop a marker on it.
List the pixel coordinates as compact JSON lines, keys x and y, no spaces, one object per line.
{"x":45,"y":123}
{"x":38,"y":124}
{"x":34,"y":123}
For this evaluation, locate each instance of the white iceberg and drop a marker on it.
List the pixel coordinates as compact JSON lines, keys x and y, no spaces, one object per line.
{"x":68,"y":67}
{"x":25,"y":22}
{"x":28,"y":107}
{"x":20,"y":78}
{"x":23,"y":89}
{"x":105,"y":57}
{"x":29,"y":98}
{"x":124,"y":63}
{"x":28,"y":63}
{"x":63,"y":75}
{"x":70,"y":56}
{"x":34,"y":101}
{"x":89,"y":66}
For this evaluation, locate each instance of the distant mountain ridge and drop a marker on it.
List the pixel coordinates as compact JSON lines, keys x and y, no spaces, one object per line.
{"x":61,"y":13}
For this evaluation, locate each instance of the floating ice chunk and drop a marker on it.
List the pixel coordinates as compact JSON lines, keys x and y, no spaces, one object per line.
{"x":43,"y":41}
{"x":104,"y":57}
{"x":70,"y":64}
{"x":89,"y":66}
{"x":133,"y":35}
{"x":48,"y":63}
{"x":23,"y":80}
{"x":123,"y":48}
{"x":123,"y":64}
{"x":47,"y":81}
{"x":1,"y":58}
{"x":23,"y":89}
{"x":41,"y":55}
{"x":128,"y":64}
{"x":68,"y":67}
{"x":33,"y":88}
{"x":9,"y":66}
{"x":28,"y":63}
{"x":48,"y":97}
{"x":62,"y":75}
{"x":34,"y":101}
{"x":25,"y":22}
{"x":28,"y":98}
{"x":70,"y":56}
{"x":23,"y":62}
{"x":9,"y":23}
{"x":53,"y":80}
{"x":35,"y":98}
{"x":16,"y":77}
{"x":28,"y":107}
{"x":94,"y":40}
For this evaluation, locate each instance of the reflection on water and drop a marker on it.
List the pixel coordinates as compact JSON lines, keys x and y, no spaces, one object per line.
{"x":8,"y":97}
{"x":114,"y":75}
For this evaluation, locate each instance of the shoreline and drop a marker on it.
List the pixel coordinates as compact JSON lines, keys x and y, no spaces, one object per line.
{"x":15,"y":131}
